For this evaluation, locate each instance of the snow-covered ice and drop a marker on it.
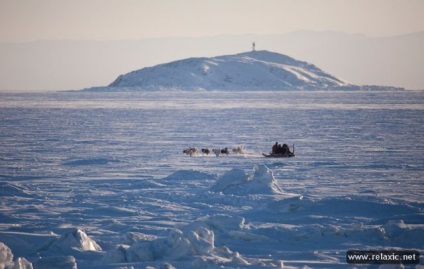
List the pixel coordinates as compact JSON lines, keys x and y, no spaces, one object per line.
{"x":99,"y":180}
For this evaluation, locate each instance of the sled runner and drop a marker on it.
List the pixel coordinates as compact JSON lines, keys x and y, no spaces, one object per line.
{"x":278,"y":155}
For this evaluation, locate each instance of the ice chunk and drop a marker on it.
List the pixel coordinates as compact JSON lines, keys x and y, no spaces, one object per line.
{"x":78,"y":240}
{"x":6,"y":256}
{"x":202,"y":240}
{"x":230,"y":179}
{"x":177,"y":245}
{"x":116,"y":255}
{"x":22,"y":263}
{"x":237,"y":182}
{"x":190,"y":244}
{"x":6,"y":259}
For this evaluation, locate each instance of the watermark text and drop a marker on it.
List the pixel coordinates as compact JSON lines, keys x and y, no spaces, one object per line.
{"x":383,"y":257}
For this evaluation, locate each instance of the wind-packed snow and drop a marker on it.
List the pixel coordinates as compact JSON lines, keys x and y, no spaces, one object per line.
{"x":256,"y":70}
{"x":100,"y":180}
{"x":237,"y":182}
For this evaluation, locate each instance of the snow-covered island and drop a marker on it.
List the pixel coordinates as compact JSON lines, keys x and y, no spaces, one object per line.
{"x":254,"y":70}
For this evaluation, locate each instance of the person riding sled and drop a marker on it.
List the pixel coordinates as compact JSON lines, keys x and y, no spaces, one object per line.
{"x":275,"y":148}
{"x":281,"y":150}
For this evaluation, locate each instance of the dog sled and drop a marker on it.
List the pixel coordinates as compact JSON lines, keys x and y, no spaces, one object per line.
{"x":285,"y":154}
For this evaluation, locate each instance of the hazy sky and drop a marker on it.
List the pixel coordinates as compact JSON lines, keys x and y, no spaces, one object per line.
{"x":77,"y":63}
{"x":28,"y":20}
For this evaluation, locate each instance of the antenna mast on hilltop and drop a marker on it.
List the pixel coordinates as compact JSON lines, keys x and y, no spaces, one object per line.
{"x":253,"y":46}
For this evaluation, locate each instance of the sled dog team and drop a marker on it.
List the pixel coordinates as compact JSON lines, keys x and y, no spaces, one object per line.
{"x":205,"y":151}
{"x":278,"y":151}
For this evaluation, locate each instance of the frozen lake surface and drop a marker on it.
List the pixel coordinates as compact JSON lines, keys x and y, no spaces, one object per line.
{"x":111,"y":165}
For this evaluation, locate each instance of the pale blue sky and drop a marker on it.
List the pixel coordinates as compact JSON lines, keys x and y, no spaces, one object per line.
{"x":28,"y":20}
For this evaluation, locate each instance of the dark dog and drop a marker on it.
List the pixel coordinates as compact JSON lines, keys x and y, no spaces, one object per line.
{"x":220,"y":151}
{"x":206,"y":151}
{"x":191,"y":151}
